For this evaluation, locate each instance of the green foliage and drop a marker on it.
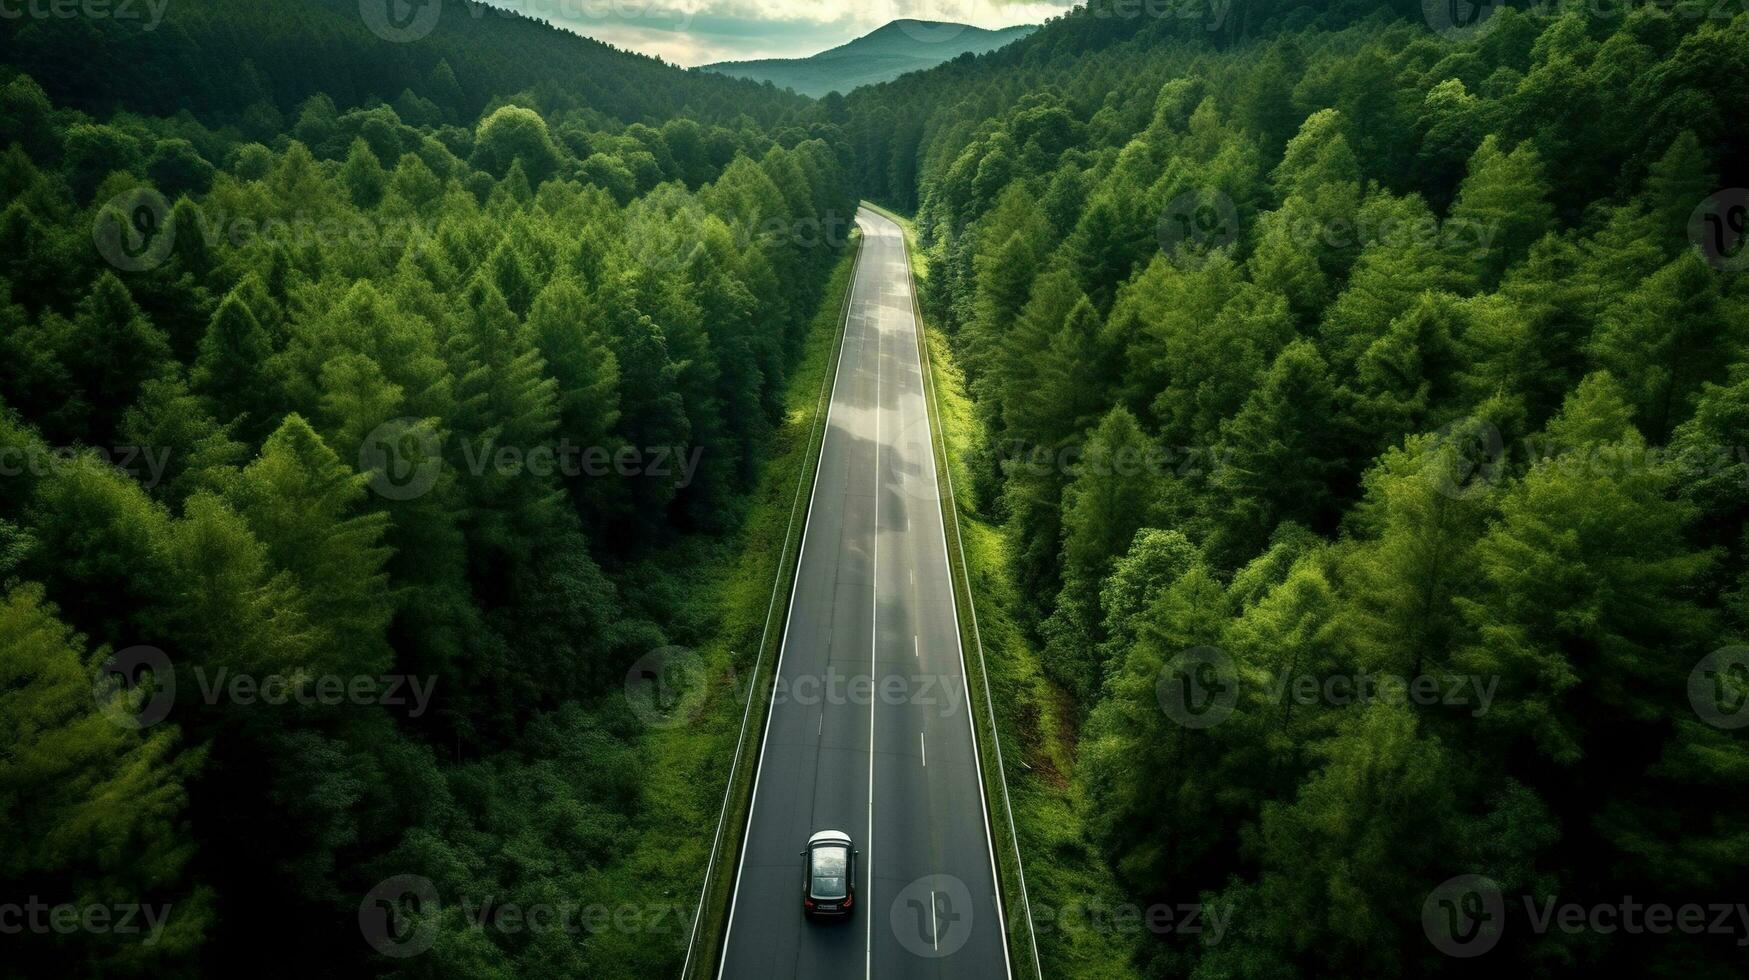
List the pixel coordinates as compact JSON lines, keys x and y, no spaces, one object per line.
{"x":1444,"y":391}
{"x":96,"y":807}
{"x":418,"y":393}
{"x":1431,"y":382}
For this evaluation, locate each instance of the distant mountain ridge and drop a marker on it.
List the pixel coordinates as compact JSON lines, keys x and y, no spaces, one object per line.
{"x":880,"y":56}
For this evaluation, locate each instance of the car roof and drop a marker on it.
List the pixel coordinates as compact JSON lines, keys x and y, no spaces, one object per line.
{"x":829,"y":837}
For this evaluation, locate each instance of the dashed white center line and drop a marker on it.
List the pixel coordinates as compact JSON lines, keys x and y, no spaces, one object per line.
{"x":934,"y":932}
{"x":916,"y":647}
{"x":921,"y":744}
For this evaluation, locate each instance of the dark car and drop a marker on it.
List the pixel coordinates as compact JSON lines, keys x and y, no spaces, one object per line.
{"x":829,"y":875}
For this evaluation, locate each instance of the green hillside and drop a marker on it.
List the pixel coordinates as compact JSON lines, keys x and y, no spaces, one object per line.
{"x":901,"y":46}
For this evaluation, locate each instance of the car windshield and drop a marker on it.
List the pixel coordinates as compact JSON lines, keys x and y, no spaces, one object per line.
{"x":831,"y":863}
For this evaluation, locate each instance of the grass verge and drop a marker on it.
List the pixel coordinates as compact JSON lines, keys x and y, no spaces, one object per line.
{"x":1071,"y":890}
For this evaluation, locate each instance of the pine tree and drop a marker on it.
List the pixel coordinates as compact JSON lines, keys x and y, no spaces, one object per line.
{"x":228,"y":369}
{"x":1417,"y":534}
{"x":363,"y":175}
{"x":1108,"y":500}
{"x":1278,"y":454}
{"x":1666,"y":333}
{"x":99,"y":808}
{"x":1587,"y":584}
{"x":1505,"y":198}
{"x":113,"y":350}
{"x":302,"y":503}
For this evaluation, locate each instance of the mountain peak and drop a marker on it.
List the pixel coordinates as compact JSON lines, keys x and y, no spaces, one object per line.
{"x":883,"y":54}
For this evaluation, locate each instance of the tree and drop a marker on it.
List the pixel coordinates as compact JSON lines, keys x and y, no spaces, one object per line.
{"x":1150,"y":779}
{"x":228,"y":369}
{"x":1153,"y":561}
{"x":176,"y":168}
{"x":567,"y":330}
{"x":1417,"y":528}
{"x":1587,"y":574}
{"x":113,"y":349}
{"x":515,"y":135}
{"x":1344,"y":862}
{"x":363,"y":174}
{"x":195,"y":451}
{"x":93,"y":152}
{"x":1407,"y":378}
{"x":97,"y":806}
{"x":1103,"y":506}
{"x":1504,"y":197}
{"x":1014,"y":373}
{"x":302,"y":503}
{"x":1666,"y":333}
{"x":1278,"y":454}
{"x":1068,"y":382}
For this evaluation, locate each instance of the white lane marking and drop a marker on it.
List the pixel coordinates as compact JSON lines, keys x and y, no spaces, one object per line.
{"x":921,"y":744}
{"x":820,"y":729}
{"x":783,"y":642}
{"x":874,"y":642}
{"x":916,"y":648}
{"x":934,"y":930}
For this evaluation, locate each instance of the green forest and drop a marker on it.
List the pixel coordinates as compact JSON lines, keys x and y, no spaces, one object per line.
{"x":1346,"y":351}
{"x":1310,"y":350}
{"x":336,"y":278}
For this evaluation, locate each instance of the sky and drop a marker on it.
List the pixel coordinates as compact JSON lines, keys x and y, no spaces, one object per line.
{"x":697,"y":32}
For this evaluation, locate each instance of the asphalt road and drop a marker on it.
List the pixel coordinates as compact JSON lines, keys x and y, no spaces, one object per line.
{"x":889,"y":762}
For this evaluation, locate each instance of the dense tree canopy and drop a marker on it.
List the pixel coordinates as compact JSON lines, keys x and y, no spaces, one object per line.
{"x":1305,"y":343}
{"x":438,"y":390}
{"x":1436,"y":383}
